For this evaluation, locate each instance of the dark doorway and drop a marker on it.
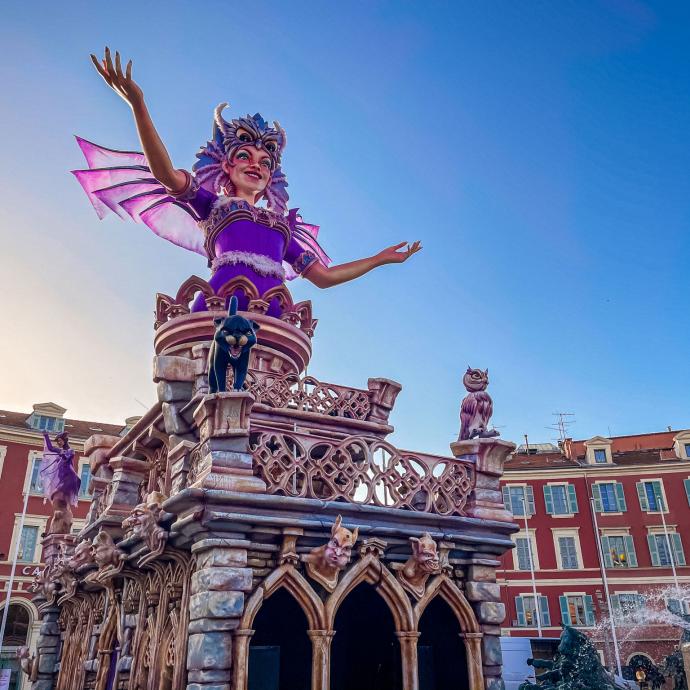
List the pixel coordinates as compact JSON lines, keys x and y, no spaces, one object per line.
{"x":280,"y":649}
{"x":365,"y":654}
{"x":441,"y":650}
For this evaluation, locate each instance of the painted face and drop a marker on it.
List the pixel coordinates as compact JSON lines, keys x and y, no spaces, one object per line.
{"x":250,"y":170}
{"x":338,"y":552}
{"x":60,"y":442}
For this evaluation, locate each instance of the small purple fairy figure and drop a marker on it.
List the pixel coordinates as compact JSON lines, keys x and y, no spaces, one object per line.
{"x":214,"y":209}
{"x":60,"y":481}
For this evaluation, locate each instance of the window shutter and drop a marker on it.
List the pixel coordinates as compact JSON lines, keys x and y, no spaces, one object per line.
{"x":548,"y":500}
{"x":653,"y":551}
{"x":615,"y":604}
{"x":529,"y":498}
{"x":544,"y":612}
{"x":687,"y":489}
{"x":630,"y":551}
{"x":506,"y":499}
{"x":642,"y":495}
{"x":572,"y":499}
{"x":677,"y":546}
{"x":596,"y":495}
{"x":565,"y":614}
{"x":620,"y":497}
{"x":520,"y":608}
{"x":606,"y":552}
{"x":589,"y":611}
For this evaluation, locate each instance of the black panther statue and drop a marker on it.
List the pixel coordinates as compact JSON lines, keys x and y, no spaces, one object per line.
{"x":231,"y":344}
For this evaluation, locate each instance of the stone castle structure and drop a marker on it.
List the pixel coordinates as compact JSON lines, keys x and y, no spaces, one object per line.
{"x":273,"y":537}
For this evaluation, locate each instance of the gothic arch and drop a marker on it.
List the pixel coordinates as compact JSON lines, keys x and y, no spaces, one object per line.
{"x":442,"y":586}
{"x":290,"y":579}
{"x":371,"y":570}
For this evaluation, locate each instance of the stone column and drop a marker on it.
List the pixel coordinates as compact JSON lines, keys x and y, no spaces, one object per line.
{"x":224,"y":461}
{"x":382,"y":395}
{"x":320,"y":658}
{"x":475,"y":671}
{"x":488,"y":455}
{"x":128,"y":474}
{"x":217,"y":601}
{"x":47,"y":647}
{"x":408,"y":654}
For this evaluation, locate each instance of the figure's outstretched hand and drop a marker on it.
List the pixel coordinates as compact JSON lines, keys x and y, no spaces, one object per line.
{"x":393,"y":255}
{"x":119,"y":81}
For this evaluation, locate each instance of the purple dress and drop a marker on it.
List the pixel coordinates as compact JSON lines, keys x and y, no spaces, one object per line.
{"x":245,"y":240}
{"x":57,"y":472}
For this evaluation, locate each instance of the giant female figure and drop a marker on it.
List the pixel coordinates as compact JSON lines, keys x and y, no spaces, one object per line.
{"x":60,"y":481}
{"x":213,"y":210}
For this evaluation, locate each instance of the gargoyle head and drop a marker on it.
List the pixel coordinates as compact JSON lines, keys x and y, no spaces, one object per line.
{"x":338,"y":551}
{"x":105,"y":552}
{"x":425,"y":553}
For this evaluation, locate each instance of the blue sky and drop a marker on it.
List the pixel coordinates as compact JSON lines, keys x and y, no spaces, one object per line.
{"x":539,"y":150}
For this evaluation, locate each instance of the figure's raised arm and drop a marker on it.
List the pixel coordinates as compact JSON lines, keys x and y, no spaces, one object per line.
{"x":47,"y":445}
{"x":324,"y":277}
{"x":154,"y":150}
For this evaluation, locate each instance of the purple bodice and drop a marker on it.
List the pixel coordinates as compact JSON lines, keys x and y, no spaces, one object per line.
{"x":244,"y":240}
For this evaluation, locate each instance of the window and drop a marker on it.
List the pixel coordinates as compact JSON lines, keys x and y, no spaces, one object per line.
{"x":27,"y":544}
{"x":527,"y":613}
{"x":609,"y":497}
{"x":687,"y":450}
{"x":577,"y":609}
{"x":36,"y":486}
{"x":85,"y":479}
{"x":560,"y":499}
{"x":651,"y":496}
{"x":627,"y":602}
{"x":17,"y":630}
{"x":516,"y":498}
{"x":46,"y":423}
{"x":568,"y":553}
{"x":523,"y":551}
{"x":659,"y":549}
{"x":679,"y":607}
{"x":686,"y":483}
{"x":618,"y":551}
{"x":600,"y":455}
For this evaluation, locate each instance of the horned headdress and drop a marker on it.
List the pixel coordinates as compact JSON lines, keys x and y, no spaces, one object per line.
{"x":227,"y":139}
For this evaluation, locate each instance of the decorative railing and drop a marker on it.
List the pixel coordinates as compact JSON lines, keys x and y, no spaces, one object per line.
{"x":359,"y":470}
{"x":298,"y":315}
{"x":307,"y":394}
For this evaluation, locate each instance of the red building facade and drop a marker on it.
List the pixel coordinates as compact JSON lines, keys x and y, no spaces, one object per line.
{"x":638,"y":490}
{"x":21,"y":447}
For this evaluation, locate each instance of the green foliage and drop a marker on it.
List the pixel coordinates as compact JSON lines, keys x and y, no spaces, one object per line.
{"x":576,"y":666}
{"x":674,"y":668}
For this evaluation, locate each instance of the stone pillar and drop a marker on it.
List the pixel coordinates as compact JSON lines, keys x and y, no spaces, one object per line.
{"x":488,"y":455}
{"x":408,"y":654}
{"x":320,"y":658}
{"x":217,"y":601}
{"x":224,"y":461}
{"x":179,"y":459}
{"x":382,"y":395}
{"x":475,"y":670}
{"x":128,"y":475}
{"x":47,"y":647}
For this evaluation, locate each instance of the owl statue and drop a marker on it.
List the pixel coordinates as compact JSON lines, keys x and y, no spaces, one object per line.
{"x":477,"y":407}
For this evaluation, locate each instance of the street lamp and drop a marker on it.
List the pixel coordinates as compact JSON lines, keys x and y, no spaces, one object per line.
{"x":641,"y":678}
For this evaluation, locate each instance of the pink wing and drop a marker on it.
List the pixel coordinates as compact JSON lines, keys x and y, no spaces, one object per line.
{"x":121,"y":182}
